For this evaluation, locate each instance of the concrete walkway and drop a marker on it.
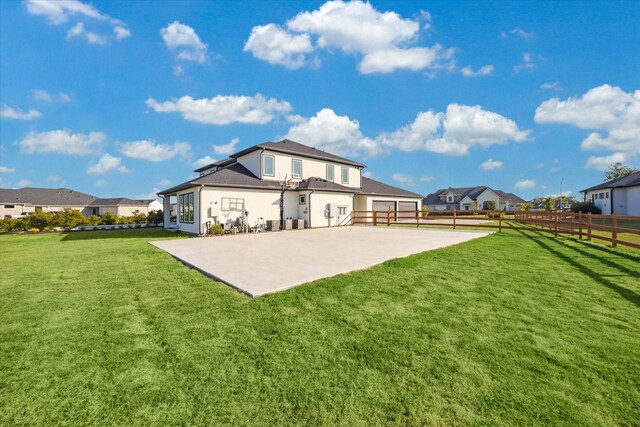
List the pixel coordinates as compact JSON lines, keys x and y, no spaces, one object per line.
{"x":258,"y":264}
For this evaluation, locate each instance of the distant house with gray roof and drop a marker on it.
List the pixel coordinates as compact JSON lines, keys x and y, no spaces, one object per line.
{"x":466,"y":198}
{"x":18,"y":202}
{"x":618,"y":196}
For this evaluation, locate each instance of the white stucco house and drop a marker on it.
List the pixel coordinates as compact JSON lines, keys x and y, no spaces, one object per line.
{"x":465,"y":198}
{"x":619,"y":196}
{"x":323,"y":189}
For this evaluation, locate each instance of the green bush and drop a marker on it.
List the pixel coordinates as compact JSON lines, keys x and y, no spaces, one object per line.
{"x":585,"y":207}
{"x":108,"y":218}
{"x":155,"y":217}
{"x":216,"y":229}
{"x":93,"y":220}
{"x":525,"y":206}
{"x":425,"y":212}
{"x":69,"y":218}
{"x":39,"y":220}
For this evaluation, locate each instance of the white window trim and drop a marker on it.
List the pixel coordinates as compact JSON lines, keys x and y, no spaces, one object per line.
{"x":293,"y":174}
{"x":264,"y":156}
{"x":333,"y":173}
{"x":342,"y":170}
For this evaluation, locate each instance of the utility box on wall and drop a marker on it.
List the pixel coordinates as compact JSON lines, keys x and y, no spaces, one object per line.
{"x":332,"y":210}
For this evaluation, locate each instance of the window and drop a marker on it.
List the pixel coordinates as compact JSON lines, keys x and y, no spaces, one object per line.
{"x":230,"y":204}
{"x":345,"y":175}
{"x":449,"y":199}
{"x":268,"y":165}
{"x":186,"y":208}
{"x":9,"y":206}
{"x":342,"y":210}
{"x":602,"y":195}
{"x":330,"y":173}
{"x":296,"y":168}
{"x":606,"y":195}
{"x":302,"y":199}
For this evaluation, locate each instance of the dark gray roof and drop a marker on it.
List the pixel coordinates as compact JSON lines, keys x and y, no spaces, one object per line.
{"x":627,"y":181}
{"x":118,"y":201}
{"x":471,"y":192}
{"x":323,"y":185}
{"x":235,"y":175}
{"x":45,"y":197}
{"x":291,"y":147}
{"x":373,"y":187}
{"x":219,"y":163}
{"x":512,"y":198}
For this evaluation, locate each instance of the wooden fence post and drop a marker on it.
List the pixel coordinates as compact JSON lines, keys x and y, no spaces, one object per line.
{"x":418,"y":218}
{"x":589,"y":219}
{"x":556,"y":224}
{"x":500,"y":222}
{"x":614,"y":230}
{"x":388,"y":217}
{"x":454,"y":218}
{"x":580,"y":225}
{"x":375,"y":217}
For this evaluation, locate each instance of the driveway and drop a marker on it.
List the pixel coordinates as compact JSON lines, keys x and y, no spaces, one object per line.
{"x":262,"y":263}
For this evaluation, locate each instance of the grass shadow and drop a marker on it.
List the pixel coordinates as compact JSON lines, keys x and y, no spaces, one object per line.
{"x":133,"y":233}
{"x":600,"y":278}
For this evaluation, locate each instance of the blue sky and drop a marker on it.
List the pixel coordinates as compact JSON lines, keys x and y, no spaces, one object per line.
{"x":122,"y":98}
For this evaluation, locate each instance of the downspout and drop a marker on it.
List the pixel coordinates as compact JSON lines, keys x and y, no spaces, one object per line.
{"x":163,"y":224}
{"x":611,"y":201}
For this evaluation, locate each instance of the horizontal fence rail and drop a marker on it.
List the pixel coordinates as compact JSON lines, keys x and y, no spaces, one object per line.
{"x":615,"y":229}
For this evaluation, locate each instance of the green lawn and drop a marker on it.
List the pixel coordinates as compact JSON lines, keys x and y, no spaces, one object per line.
{"x":100,"y":328}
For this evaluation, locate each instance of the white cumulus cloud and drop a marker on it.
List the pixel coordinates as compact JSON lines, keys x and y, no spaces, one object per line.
{"x":336,"y":134}
{"x":59,"y":12}
{"x":15,"y":114}
{"x":613,"y":115}
{"x":203,"y":161}
{"x":43,"y":95}
{"x":525,"y":184}
{"x":227,"y":149}
{"x":223,"y":110}
{"x":455,"y":132}
{"x":154,"y":152}
{"x":279,"y":47}
{"x":106,"y":164}
{"x":526,"y":64}
{"x":184,"y":42}
{"x":402,"y":178}
{"x":382,"y":39}
{"x":485,"y":70}
{"x":491,"y":165}
{"x":63,"y":142}
{"x":6,"y":169}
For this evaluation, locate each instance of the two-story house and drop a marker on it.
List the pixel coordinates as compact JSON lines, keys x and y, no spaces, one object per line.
{"x":277,"y":180}
{"x":470,"y":198}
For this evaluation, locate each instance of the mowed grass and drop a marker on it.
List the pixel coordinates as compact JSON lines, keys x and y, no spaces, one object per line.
{"x":100,"y":328}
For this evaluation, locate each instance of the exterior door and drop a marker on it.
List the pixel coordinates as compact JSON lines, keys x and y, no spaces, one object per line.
{"x":407,"y":206}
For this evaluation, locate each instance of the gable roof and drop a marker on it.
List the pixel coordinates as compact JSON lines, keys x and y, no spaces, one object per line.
{"x":627,"y":181}
{"x":45,"y":197}
{"x":287,"y":146}
{"x":219,"y":163}
{"x":322,"y":184}
{"x":119,"y":201}
{"x":372,"y":187}
{"x":235,"y":175}
{"x":472,"y":192}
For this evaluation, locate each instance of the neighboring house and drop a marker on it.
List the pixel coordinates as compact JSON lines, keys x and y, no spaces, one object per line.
{"x":619,"y":196}
{"x":25,"y":200}
{"x":466,"y":198}
{"x":323,"y":189}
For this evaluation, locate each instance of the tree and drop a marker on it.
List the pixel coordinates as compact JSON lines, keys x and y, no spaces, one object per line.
{"x":155,"y":217}
{"x":489,"y":205}
{"x":69,"y":218}
{"x":549,"y":203}
{"x":618,"y":170}
{"x":525,"y":206}
{"x":109,"y":218}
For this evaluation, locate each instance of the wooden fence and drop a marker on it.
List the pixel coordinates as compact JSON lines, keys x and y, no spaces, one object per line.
{"x":615,"y":229}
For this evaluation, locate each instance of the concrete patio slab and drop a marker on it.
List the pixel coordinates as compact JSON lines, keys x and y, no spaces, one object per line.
{"x":258,"y":264}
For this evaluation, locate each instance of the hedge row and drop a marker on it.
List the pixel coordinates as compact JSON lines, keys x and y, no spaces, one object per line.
{"x":70,"y":218}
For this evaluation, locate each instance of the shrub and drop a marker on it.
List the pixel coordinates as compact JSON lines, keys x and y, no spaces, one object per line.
{"x":108,"y":218}
{"x":33,"y":230}
{"x":69,"y":218}
{"x":138,"y":217}
{"x":39,"y":220}
{"x":489,"y":205}
{"x":525,"y":206}
{"x":93,"y":220}
{"x":232,"y":231}
{"x":585,"y":207}
{"x":155,"y":217}
{"x":425,"y":212}
{"x":216,"y":229}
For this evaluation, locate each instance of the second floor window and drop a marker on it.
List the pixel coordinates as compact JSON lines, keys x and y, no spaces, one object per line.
{"x":296,"y":168}
{"x":268,"y":165}
{"x":330,"y":173}
{"x":345,"y":175}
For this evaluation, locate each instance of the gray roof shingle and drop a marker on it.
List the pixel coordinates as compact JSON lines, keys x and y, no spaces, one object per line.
{"x":627,"y":181}
{"x":373,"y":187}
{"x":45,"y":197}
